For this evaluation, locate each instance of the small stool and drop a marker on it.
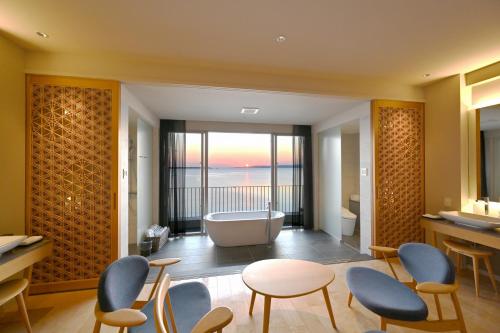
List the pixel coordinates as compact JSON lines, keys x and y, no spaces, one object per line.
{"x":14,"y":289}
{"x":475,"y":254}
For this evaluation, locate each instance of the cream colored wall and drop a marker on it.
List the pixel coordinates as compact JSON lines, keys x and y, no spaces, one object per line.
{"x":12,"y":138}
{"x":130,"y":69}
{"x":443,"y":174}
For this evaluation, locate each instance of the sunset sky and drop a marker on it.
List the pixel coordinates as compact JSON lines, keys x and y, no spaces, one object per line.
{"x":237,"y":149}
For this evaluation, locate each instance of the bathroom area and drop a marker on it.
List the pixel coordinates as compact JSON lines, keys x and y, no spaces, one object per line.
{"x":345,"y":178}
{"x":350,"y":212}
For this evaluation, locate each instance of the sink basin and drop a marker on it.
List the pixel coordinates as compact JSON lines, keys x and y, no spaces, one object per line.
{"x":7,"y":243}
{"x":471,"y":220}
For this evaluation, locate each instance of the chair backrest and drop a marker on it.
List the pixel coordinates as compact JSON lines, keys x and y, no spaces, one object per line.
{"x":161,"y":321}
{"x":426,"y":263}
{"x":121,"y":282}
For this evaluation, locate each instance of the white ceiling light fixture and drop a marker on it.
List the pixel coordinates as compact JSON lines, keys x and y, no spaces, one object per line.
{"x":247,"y":110}
{"x":42,"y":34}
{"x":280,"y":39}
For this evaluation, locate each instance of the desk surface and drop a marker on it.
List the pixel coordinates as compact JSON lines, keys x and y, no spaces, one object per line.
{"x":22,"y":257}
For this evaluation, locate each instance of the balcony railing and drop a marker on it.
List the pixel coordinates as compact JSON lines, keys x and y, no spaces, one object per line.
{"x":239,"y":198}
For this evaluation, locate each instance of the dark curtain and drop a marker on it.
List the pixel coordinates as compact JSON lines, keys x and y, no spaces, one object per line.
{"x":302,"y":202}
{"x":173,"y":175}
{"x":484,"y":183}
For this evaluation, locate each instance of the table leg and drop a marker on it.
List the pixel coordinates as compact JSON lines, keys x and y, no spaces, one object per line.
{"x":28,"y":272}
{"x":267,"y":313}
{"x":329,"y":306}
{"x":252,"y":302}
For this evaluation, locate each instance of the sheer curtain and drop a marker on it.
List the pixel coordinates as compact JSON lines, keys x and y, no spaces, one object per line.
{"x":302,"y":198}
{"x":173,"y":175}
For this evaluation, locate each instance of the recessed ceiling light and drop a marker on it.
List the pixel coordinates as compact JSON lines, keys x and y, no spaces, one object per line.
{"x":42,"y":34}
{"x":427,"y":75}
{"x":247,"y":110}
{"x":281,"y":39}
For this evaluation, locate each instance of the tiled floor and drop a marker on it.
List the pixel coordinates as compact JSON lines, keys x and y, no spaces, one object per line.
{"x":200,"y":257}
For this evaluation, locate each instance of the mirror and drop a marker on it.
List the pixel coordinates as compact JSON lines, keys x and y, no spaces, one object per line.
{"x":488,"y":152}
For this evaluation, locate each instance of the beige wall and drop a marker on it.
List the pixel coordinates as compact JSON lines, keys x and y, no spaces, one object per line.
{"x":153,"y":70}
{"x":443,"y":145}
{"x":12,"y":138}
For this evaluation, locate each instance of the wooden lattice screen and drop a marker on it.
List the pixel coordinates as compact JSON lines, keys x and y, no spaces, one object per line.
{"x":398,"y":129}
{"x":72,"y":178}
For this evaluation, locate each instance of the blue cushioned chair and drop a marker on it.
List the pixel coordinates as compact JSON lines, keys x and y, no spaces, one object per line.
{"x":188,"y":304}
{"x":398,"y":302}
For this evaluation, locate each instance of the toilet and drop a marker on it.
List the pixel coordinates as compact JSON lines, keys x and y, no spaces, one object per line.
{"x":348,"y":222}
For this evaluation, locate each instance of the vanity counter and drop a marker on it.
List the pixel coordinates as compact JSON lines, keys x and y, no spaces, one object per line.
{"x":490,"y":238}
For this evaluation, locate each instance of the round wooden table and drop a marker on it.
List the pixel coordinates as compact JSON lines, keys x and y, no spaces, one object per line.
{"x":287,"y":278}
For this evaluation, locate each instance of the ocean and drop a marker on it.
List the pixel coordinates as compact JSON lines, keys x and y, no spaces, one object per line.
{"x":238,"y":189}
{"x":222,"y":177}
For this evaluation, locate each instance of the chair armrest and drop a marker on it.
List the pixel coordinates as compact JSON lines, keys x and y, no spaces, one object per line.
{"x":436,"y":288}
{"x":164,"y":262}
{"x":214,"y":321}
{"x":121,"y":317}
{"x":388,"y":251}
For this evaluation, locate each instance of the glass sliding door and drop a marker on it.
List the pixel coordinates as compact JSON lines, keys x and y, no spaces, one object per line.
{"x":288,"y":177}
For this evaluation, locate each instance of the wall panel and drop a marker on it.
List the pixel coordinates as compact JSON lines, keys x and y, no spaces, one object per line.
{"x":71,"y":174}
{"x":398,"y":129}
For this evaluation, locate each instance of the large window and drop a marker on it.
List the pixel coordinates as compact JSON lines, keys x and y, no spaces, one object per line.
{"x":239,"y":172}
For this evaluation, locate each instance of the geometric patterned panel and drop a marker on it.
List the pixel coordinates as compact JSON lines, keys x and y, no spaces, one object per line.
{"x":399,"y":172}
{"x":70,"y":194}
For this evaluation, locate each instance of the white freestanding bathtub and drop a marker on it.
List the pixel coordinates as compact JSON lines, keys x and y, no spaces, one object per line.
{"x":242,"y":228}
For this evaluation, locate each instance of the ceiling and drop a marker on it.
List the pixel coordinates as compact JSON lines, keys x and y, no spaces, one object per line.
{"x":223,"y":104}
{"x":391,"y":39}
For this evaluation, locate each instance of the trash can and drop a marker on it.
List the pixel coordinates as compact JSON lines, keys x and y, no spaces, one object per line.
{"x":145,"y":248}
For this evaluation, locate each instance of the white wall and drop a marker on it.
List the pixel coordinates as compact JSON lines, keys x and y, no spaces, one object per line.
{"x":129,"y":102}
{"x":144,"y":177}
{"x":365,"y":182}
{"x":360,"y":112}
{"x":350,"y":166}
{"x":330,"y":173}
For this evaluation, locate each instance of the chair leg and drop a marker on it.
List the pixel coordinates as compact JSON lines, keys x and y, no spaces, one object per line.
{"x":459,"y":263}
{"x":23,"y":312}
{"x":458,"y":311}
{"x":158,"y":278}
{"x":487,"y":262}
{"x":438,"y":307}
{"x":383,"y":324}
{"x":475,"y":268}
{"x":171,"y":312}
{"x":349,"y":300}
{"x":97,"y":327}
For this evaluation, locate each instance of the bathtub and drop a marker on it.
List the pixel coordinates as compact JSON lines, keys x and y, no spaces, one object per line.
{"x":242,"y":228}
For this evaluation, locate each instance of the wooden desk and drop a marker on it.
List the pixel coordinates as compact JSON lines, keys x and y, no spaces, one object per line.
{"x":490,"y":238}
{"x":23,"y":258}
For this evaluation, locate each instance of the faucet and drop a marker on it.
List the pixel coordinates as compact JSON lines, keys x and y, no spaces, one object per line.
{"x":268,"y":224}
{"x":486,"y":205}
